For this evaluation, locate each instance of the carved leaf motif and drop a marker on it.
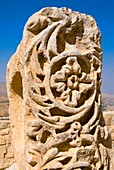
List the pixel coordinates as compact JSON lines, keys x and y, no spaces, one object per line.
{"x":60,"y":79}
{"x":50,"y":154}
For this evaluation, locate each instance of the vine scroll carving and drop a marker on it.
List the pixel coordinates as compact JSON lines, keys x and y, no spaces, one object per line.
{"x":54,"y":82}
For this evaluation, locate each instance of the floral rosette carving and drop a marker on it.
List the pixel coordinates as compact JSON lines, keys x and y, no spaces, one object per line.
{"x":61,"y":63}
{"x":71,"y":82}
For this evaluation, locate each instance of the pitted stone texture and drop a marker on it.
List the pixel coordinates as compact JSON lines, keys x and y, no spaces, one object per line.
{"x":53,"y":83}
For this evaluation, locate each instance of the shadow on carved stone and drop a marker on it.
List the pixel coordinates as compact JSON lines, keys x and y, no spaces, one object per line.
{"x":57,"y":75}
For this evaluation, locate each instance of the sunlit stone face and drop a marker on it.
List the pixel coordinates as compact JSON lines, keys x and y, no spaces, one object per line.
{"x":59,"y":63}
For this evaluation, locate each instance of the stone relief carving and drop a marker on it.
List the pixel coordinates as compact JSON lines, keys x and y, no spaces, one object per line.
{"x":59,"y":61}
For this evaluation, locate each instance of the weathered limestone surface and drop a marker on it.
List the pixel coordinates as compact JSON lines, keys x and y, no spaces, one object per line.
{"x":6,"y":149}
{"x":53,"y":83}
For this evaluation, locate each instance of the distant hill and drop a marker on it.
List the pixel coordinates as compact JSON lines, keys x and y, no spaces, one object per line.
{"x":3,"y":93}
{"x":4,"y":103}
{"x":2,"y":88}
{"x":107,"y":101}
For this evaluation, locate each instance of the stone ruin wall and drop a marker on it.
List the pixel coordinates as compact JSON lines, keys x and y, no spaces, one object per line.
{"x":109,"y":119}
{"x":53,"y":85}
{"x":6,"y":149}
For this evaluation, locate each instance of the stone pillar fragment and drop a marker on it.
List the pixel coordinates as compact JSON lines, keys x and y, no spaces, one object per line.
{"x":53,"y":82}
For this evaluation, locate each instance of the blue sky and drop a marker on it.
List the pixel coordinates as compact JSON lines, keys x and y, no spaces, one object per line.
{"x":14,"y":14}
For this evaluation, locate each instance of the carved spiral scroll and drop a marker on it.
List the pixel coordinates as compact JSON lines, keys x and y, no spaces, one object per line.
{"x":63,"y":77}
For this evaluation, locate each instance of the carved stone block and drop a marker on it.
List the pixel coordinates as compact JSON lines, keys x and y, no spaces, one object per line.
{"x":53,"y":83}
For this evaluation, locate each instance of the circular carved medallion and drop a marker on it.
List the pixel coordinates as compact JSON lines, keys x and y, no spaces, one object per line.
{"x":70,"y":82}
